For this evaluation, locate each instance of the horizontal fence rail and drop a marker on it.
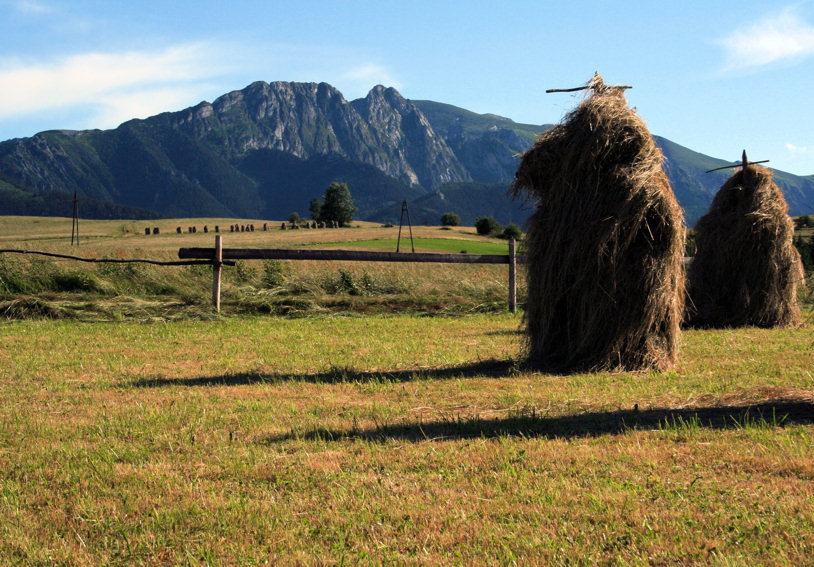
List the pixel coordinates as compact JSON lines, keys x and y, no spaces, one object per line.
{"x":343,"y":255}
{"x":108,"y":260}
{"x":218,"y":256}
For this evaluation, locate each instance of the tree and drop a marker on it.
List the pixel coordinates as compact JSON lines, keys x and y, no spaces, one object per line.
{"x":512,"y":231}
{"x":803,"y":221}
{"x":316,"y":209}
{"x":487,"y":225}
{"x":294,"y":218}
{"x":450,"y":219}
{"x":337,"y":205}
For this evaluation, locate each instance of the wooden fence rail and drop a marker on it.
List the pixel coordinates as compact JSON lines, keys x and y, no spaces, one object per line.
{"x":218,"y":255}
{"x":107,"y":260}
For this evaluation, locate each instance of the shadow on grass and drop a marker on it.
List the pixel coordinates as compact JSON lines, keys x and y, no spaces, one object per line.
{"x":772,"y":413}
{"x":505,"y":333}
{"x":484,"y":369}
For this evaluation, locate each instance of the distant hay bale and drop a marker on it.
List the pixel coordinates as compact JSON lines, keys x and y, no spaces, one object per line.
{"x":147,"y":230}
{"x":178,"y":230}
{"x":746,"y":269}
{"x":604,"y":246}
{"x":155,"y":230}
{"x":283,"y":226}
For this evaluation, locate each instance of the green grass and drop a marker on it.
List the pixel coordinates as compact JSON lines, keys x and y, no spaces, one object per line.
{"x":428,"y":245}
{"x":42,"y":287}
{"x":137,"y":427}
{"x":401,"y":439}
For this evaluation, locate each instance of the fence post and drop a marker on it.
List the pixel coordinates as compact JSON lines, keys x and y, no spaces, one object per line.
{"x":512,"y":276}
{"x":217,"y":264}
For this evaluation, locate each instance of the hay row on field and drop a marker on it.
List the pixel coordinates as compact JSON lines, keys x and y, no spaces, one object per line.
{"x":604,"y":246}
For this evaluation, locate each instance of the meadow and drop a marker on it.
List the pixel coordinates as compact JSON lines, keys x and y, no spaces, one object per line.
{"x":33,"y":286}
{"x":399,"y":429}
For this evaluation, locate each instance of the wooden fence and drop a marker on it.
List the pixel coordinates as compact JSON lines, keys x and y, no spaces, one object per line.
{"x":219,"y":255}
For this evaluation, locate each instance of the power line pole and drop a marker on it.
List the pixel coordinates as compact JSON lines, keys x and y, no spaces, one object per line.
{"x":75,"y":222}
{"x":404,"y":209}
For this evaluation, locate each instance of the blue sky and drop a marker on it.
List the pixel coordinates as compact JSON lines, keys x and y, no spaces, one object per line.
{"x":718,"y":77}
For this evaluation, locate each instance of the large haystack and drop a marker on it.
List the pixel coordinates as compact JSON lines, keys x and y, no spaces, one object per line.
{"x":604,"y":247}
{"x":746,"y":269}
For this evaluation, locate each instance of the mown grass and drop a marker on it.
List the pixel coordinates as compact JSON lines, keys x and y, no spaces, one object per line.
{"x":429,"y":245}
{"x":403,"y":439}
{"x":136,"y":427}
{"x":43,"y":287}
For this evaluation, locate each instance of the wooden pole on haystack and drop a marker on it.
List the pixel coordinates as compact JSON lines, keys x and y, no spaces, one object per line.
{"x":605,"y":243}
{"x":743,"y":164}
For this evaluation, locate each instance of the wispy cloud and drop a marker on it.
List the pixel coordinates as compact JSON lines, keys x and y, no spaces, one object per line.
{"x":102,"y":90}
{"x":785,"y":37}
{"x":119,"y":85}
{"x":359,"y":80}
{"x":796,"y":150}
{"x":31,"y":7}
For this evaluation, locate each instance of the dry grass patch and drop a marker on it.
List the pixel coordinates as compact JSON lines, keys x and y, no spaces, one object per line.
{"x":33,"y":287}
{"x":403,"y":439}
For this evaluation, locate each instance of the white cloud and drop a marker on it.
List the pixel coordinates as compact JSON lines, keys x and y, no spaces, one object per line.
{"x":119,"y":85}
{"x":359,"y":80}
{"x":112,"y":110}
{"x":31,"y":7}
{"x":102,"y":90}
{"x":781,"y":37}
{"x":796,"y":150}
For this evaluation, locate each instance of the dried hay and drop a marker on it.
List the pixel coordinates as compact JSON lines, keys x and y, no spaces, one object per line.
{"x":604,"y":246}
{"x":746,"y":269}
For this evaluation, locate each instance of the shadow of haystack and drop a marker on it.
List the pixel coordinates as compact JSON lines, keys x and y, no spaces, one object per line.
{"x":771,"y":413}
{"x":746,"y":269}
{"x":604,"y":246}
{"x":490,"y":368}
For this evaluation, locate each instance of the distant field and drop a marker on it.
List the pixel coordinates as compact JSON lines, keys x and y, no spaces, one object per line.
{"x":127,"y":237}
{"x":429,"y":245}
{"x":36,"y":287}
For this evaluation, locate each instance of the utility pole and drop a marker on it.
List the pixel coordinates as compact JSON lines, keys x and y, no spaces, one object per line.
{"x":75,"y":222}
{"x":404,"y":209}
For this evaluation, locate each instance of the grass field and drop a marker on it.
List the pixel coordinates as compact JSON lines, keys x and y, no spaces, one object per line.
{"x":34,"y":286}
{"x":385,"y":419}
{"x":428,"y":245}
{"x":329,"y":440}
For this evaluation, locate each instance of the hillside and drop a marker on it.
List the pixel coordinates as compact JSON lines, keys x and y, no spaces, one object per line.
{"x":16,"y":201}
{"x":268,"y":149}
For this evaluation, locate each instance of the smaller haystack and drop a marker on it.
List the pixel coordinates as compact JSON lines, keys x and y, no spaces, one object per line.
{"x":604,"y":246}
{"x":746,"y":269}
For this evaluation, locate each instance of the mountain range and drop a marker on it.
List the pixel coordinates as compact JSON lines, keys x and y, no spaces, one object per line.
{"x":267,"y":150}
